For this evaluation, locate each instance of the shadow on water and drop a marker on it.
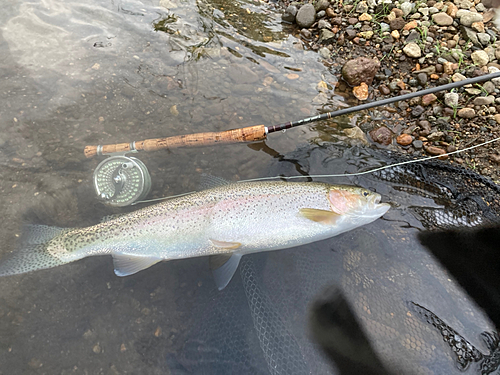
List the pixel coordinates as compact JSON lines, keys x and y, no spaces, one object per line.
{"x":98,"y":72}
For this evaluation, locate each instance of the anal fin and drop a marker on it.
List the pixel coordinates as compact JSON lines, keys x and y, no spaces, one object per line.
{"x":126,"y":264}
{"x":223,"y":268}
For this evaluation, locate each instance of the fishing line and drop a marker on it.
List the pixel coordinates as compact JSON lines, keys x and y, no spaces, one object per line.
{"x":122,"y":180}
{"x":372,"y":170}
{"x":336,"y":175}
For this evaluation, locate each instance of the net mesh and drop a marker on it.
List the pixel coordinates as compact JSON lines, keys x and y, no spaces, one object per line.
{"x":418,"y":319}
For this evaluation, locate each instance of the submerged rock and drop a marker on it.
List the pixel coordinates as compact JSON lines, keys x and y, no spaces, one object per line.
{"x":360,"y":70}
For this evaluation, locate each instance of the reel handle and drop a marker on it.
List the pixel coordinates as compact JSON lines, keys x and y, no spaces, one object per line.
{"x":248,"y":134}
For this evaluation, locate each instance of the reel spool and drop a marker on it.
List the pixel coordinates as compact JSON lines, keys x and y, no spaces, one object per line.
{"x":121,"y":180}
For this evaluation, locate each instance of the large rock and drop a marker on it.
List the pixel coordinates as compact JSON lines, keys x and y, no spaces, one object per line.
{"x":306,"y":16}
{"x":360,"y":70}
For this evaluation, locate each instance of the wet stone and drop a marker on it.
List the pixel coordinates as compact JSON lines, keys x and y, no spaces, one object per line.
{"x":360,"y":70}
{"x":306,"y":16}
{"x":382,"y":135}
{"x":418,"y":144}
{"x":242,"y":74}
{"x":357,"y":134}
{"x":404,"y":139}
{"x":290,"y":13}
{"x":435,"y":151}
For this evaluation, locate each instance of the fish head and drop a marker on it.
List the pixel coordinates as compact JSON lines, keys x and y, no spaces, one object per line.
{"x":356,"y":202}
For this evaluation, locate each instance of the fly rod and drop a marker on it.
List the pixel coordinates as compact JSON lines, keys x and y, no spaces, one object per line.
{"x":260,"y":132}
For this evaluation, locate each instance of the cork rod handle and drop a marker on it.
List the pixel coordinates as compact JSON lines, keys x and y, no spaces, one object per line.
{"x":248,"y":134}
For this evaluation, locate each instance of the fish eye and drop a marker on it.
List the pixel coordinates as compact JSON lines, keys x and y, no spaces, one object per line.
{"x":366,"y":193}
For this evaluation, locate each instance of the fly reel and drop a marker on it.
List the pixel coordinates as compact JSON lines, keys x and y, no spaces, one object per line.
{"x":121,"y":180}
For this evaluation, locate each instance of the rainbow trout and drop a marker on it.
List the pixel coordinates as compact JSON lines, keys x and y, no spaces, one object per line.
{"x":224,"y":223}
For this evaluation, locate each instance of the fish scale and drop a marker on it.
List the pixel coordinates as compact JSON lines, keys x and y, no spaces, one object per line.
{"x":227,"y":221}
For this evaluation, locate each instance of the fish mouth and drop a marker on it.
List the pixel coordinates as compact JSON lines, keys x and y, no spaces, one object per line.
{"x":377,"y":207}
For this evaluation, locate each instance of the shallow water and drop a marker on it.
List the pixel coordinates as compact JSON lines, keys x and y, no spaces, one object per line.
{"x":97,"y":72}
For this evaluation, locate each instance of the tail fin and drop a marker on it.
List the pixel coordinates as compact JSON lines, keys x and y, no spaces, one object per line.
{"x":34,"y":254}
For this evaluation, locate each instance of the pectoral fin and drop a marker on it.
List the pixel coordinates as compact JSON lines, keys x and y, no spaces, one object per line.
{"x":126,"y":264}
{"x":223,"y":268}
{"x":320,"y":216}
